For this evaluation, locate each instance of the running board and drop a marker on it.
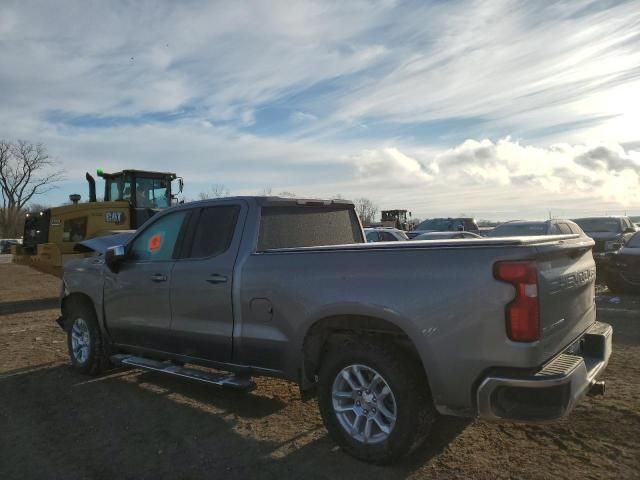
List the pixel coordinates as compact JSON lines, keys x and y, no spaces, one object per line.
{"x":227,"y":380}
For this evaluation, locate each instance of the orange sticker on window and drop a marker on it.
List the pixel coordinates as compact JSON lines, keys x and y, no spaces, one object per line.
{"x":155,"y":242}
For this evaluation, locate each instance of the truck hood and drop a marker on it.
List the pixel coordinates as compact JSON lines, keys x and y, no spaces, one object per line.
{"x":100,"y":244}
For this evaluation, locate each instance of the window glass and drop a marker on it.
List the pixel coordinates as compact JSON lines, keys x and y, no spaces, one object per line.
{"x":564,"y":228}
{"x":159,"y":240}
{"x":119,"y":189}
{"x":152,"y":193}
{"x":387,"y":237}
{"x":372,"y":236}
{"x":75,"y":229}
{"x":214,"y":231}
{"x":611,"y":225}
{"x":635,"y":241}
{"x":518,"y":229}
{"x":307,"y":226}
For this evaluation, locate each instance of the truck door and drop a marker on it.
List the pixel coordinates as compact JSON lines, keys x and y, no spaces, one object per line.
{"x":201,"y":283}
{"x":136,"y":298}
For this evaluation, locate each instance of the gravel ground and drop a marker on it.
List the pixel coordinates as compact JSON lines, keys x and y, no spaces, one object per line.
{"x":55,"y":423}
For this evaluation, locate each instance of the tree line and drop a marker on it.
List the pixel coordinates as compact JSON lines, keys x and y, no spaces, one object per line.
{"x":26,"y":171}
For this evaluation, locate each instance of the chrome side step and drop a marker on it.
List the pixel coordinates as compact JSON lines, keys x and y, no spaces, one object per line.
{"x":227,"y":380}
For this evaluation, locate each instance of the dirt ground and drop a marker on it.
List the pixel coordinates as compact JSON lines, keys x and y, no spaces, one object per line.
{"x":55,"y":423}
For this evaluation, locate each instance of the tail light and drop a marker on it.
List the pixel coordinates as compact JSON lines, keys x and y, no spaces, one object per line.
{"x":523,"y":313}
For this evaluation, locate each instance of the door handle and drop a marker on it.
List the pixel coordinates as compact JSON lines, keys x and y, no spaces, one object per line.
{"x":216,"y":278}
{"x":158,"y":277}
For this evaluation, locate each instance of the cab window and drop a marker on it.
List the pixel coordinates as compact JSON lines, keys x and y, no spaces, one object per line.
{"x":158,"y":241}
{"x":152,"y":193}
{"x":214,"y":231}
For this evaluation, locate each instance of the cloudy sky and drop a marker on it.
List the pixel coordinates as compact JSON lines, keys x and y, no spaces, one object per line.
{"x":498,"y":109}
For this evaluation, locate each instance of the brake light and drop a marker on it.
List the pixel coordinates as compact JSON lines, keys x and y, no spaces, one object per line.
{"x":523,"y":313}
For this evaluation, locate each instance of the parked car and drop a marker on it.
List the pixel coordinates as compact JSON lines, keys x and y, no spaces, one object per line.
{"x":517,"y":228}
{"x":445,"y":225}
{"x":609,"y":233}
{"x":385,"y":234}
{"x":262,"y":286}
{"x":445,"y":235}
{"x":622,"y":270}
{"x":6,"y":243}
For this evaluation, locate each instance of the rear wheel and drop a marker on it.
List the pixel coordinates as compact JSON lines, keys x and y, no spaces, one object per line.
{"x":84,"y":340}
{"x":374,"y":400}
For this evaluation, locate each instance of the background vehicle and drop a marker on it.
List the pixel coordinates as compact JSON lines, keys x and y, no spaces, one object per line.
{"x":395,"y":219}
{"x":445,"y":225}
{"x":445,"y":235}
{"x":261,"y":286}
{"x":609,"y":233}
{"x":6,"y":243}
{"x":622,"y":268}
{"x":131,"y":197}
{"x":525,"y":228}
{"x":385,"y":234}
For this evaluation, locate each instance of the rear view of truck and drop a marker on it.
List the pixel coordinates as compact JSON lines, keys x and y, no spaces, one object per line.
{"x":552,"y":319}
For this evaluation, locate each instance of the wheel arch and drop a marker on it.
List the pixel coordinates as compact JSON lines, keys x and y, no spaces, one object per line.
{"x":324,"y":330}
{"x":76,"y":299}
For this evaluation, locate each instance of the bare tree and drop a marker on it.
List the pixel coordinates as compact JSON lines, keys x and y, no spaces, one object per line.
{"x":219,"y":190}
{"x":26,"y":171}
{"x":366,"y":210}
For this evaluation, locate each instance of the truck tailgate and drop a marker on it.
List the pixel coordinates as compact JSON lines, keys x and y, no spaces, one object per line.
{"x":566,"y":289}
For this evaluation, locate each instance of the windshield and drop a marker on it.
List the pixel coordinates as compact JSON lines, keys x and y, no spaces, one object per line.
{"x":518,"y":229}
{"x":635,"y":241}
{"x":599,"y":224}
{"x":152,"y":193}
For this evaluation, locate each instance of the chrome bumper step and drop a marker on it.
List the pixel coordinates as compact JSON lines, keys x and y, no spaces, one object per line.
{"x":227,"y":380}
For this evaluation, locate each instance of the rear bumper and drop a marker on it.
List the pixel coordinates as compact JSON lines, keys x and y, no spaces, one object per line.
{"x":554,"y":390}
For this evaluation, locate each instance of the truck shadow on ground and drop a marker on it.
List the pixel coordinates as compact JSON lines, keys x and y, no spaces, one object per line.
{"x":23,"y":306}
{"x":56,"y":422}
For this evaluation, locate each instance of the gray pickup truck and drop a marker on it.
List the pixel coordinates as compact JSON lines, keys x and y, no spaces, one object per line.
{"x":386,"y":335}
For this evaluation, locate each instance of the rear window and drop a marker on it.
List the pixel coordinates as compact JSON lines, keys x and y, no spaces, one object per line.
{"x":448,"y":224}
{"x":611,"y":225}
{"x":635,"y":241}
{"x":302,"y":226}
{"x":516,"y":230}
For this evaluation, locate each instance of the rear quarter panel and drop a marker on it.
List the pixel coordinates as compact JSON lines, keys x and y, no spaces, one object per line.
{"x":445,"y":299}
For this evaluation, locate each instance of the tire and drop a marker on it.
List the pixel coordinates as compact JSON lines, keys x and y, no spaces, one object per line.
{"x":84,"y":340}
{"x":408,"y":397}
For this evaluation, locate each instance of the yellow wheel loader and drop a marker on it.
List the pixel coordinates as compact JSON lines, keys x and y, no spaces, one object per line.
{"x":395,"y":219}
{"x":131,"y":197}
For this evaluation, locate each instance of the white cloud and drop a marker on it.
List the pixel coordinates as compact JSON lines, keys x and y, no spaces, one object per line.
{"x":599,"y":176}
{"x":375,"y":92}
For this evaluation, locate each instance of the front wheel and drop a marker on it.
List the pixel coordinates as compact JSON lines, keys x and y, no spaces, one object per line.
{"x":374,"y":400}
{"x":84,"y":341}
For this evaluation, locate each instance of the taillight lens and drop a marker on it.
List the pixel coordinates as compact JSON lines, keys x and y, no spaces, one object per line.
{"x":523,"y":313}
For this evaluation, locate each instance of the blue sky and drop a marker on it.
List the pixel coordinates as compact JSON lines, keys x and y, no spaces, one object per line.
{"x":488,"y":108}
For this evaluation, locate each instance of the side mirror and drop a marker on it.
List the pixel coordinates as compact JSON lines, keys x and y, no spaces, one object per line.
{"x":629,"y":230}
{"x":114,"y":256}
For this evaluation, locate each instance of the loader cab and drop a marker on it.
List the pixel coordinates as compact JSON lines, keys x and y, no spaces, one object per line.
{"x":395,"y":219}
{"x":147,"y":192}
